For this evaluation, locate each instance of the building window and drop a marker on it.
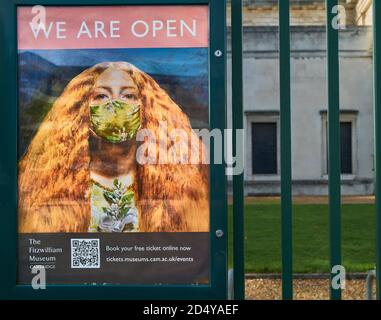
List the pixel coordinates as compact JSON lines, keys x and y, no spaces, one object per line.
{"x":264,"y":147}
{"x":346,"y":147}
{"x":348,"y":142}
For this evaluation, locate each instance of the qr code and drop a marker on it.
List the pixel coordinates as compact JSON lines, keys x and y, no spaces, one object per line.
{"x":85,"y":253}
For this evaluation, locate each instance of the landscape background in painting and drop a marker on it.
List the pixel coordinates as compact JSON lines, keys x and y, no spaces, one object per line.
{"x":43,"y":75}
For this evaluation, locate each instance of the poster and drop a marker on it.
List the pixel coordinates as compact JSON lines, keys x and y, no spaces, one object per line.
{"x":112,"y":186}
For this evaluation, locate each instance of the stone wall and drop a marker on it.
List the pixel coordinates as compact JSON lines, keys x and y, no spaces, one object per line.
{"x":309,"y":104}
{"x":303,"y":12}
{"x":363,"y":12}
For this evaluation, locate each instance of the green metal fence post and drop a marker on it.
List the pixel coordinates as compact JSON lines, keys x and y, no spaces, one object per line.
{"x":285,"y":146}
{"x":238,"y":180}
{"x":333,"y":142}
{"x":377,"y":139}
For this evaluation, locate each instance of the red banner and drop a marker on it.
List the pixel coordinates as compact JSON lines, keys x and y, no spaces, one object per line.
{"x":112,"y":27}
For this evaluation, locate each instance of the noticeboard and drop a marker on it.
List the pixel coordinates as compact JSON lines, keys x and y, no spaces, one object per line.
{"x":107,"y":189}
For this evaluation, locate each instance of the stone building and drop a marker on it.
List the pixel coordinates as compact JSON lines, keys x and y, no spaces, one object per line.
{"x":309,"y":98}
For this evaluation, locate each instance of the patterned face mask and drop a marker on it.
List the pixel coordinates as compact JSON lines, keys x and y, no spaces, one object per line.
{"x":115,"y":121}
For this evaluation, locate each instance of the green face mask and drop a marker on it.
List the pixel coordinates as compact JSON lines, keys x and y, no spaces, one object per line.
{"x":115,"y":121}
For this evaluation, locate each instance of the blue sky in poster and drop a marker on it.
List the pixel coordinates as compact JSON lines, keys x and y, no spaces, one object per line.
{"x":174,"y":61}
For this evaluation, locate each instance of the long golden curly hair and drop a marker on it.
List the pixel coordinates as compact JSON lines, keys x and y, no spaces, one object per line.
{"x":54,"y":175}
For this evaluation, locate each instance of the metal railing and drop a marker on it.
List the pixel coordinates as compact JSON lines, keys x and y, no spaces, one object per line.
{"x":285,"y":138}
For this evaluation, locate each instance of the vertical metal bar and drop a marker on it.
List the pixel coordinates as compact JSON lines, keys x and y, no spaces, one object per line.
{"x":238,"y":180}
{"x":377,"y":139}
{"x":285,"y":146}
{"x":333,"y":142}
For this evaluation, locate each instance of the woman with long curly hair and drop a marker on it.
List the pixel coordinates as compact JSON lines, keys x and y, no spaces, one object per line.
{"x":80,"y":172}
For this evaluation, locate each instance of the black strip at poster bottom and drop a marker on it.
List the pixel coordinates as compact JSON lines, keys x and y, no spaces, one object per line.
{"x":134,"y":258}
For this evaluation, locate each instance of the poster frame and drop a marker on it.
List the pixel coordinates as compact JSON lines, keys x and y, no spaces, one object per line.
{"x":217,"y":288}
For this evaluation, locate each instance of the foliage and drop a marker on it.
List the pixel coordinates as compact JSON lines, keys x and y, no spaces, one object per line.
{"x":119,"y":200}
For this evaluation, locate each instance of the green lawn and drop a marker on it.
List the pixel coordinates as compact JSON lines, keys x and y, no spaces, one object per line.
{"x":310,"y":237}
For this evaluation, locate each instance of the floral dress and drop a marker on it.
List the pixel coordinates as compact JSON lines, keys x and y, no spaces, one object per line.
{"x":113,"y":210}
